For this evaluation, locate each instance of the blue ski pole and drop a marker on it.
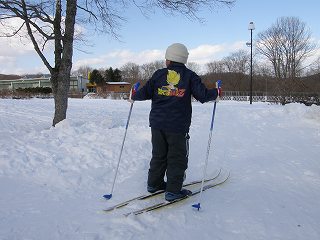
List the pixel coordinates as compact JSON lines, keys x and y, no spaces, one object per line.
{"x":109,"y":196}
{"x":198,"y":205}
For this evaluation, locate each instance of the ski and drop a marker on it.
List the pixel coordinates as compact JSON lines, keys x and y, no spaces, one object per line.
{"x":166,"y":203}
{"x":150,"y":195}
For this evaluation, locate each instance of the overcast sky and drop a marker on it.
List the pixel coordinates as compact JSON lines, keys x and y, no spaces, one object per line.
{"x":145,"y":39}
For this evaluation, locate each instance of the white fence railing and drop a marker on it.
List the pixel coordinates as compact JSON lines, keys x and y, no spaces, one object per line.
{"x":303,"y":97}
{"x":306,"y":98}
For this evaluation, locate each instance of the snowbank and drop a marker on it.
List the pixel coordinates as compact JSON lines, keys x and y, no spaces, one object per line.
{"x":52,"y":179}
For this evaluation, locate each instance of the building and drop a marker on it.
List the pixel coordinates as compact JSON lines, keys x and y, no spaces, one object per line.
{"x":77,"y":83}
{"x":113,"y":87}
{"x":92,"y":87}
{"x":79,"y":86}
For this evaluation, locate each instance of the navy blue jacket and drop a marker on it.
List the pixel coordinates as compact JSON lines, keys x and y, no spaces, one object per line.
{"x":170,"y":90}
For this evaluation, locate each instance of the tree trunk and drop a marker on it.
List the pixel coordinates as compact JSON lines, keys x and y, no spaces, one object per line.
{"x":60,"y":76}
{"x":60,"y":88}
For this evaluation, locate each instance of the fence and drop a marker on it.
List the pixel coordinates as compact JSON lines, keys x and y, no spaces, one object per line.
{"x":302,"y":97}
{"x":305,"y":98}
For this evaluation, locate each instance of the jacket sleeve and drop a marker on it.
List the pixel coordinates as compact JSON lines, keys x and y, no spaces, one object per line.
{"x":200,"y":92}
{"x":144,"y":93}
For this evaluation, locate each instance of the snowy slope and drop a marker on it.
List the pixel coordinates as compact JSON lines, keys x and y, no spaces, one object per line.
{"x":52,"y":179}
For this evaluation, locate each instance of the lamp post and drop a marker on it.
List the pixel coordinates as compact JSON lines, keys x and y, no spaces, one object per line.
{"x":251,"y":28}
{"x":81,"y":88}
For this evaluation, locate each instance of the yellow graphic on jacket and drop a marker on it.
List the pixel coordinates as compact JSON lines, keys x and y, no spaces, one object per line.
{"x":173,"y":79}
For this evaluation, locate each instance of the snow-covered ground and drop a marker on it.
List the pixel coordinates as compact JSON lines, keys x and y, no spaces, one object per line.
{"x":52,"y":179}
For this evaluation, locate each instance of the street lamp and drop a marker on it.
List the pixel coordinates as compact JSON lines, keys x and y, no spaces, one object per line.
{"x":251,"y":28}
{"x":81,"y":88}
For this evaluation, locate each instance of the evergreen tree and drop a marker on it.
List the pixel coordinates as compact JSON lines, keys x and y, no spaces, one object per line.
{"x":117,"y":75}
{"x":96,"y":77}
{"x":111,"y":75}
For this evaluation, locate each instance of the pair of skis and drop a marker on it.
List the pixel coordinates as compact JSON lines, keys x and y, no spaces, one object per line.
{"x":198,"y":205}
{"x":166,"y":203}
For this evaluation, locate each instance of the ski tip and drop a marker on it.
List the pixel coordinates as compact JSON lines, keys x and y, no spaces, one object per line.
{"x":197,"y":206}
{"x":107,"y":196}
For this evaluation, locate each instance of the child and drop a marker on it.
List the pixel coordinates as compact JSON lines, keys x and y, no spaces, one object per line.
{"x":170,"y":90}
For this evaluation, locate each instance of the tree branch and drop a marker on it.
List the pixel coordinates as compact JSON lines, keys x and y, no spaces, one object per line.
{"x":35,"y":44}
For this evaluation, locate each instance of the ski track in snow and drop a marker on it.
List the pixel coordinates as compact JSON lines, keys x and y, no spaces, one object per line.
{"x":52,"y":179}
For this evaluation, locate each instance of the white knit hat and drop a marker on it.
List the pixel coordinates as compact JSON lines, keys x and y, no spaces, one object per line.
{"x":177,"y":52}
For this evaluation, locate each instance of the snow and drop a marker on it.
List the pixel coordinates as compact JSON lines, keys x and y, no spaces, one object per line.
{"x":52,"y":179}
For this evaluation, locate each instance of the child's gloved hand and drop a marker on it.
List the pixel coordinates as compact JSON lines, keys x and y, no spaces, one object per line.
{"x":133,"y":91}
{"x":219,"y":88}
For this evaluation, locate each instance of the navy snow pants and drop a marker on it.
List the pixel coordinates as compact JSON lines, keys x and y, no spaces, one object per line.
{"x":169,"y":157}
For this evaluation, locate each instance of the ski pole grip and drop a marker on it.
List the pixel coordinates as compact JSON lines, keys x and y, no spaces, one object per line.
{"x":136,"y":86}
{"x":219,"y":84}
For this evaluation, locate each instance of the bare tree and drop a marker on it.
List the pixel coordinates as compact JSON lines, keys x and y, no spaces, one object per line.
{"x":83,"y":71}
{"x":194,"y":67}
{"x":148,"y":69}
{"x":315,"y":67}
{"x":130,"y":72}
{"x":42,"y":23}
{"x":53,"y":21}
{"x":215,"y":67}
{"x":238,"y":63}
{"x":286,"y":45}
